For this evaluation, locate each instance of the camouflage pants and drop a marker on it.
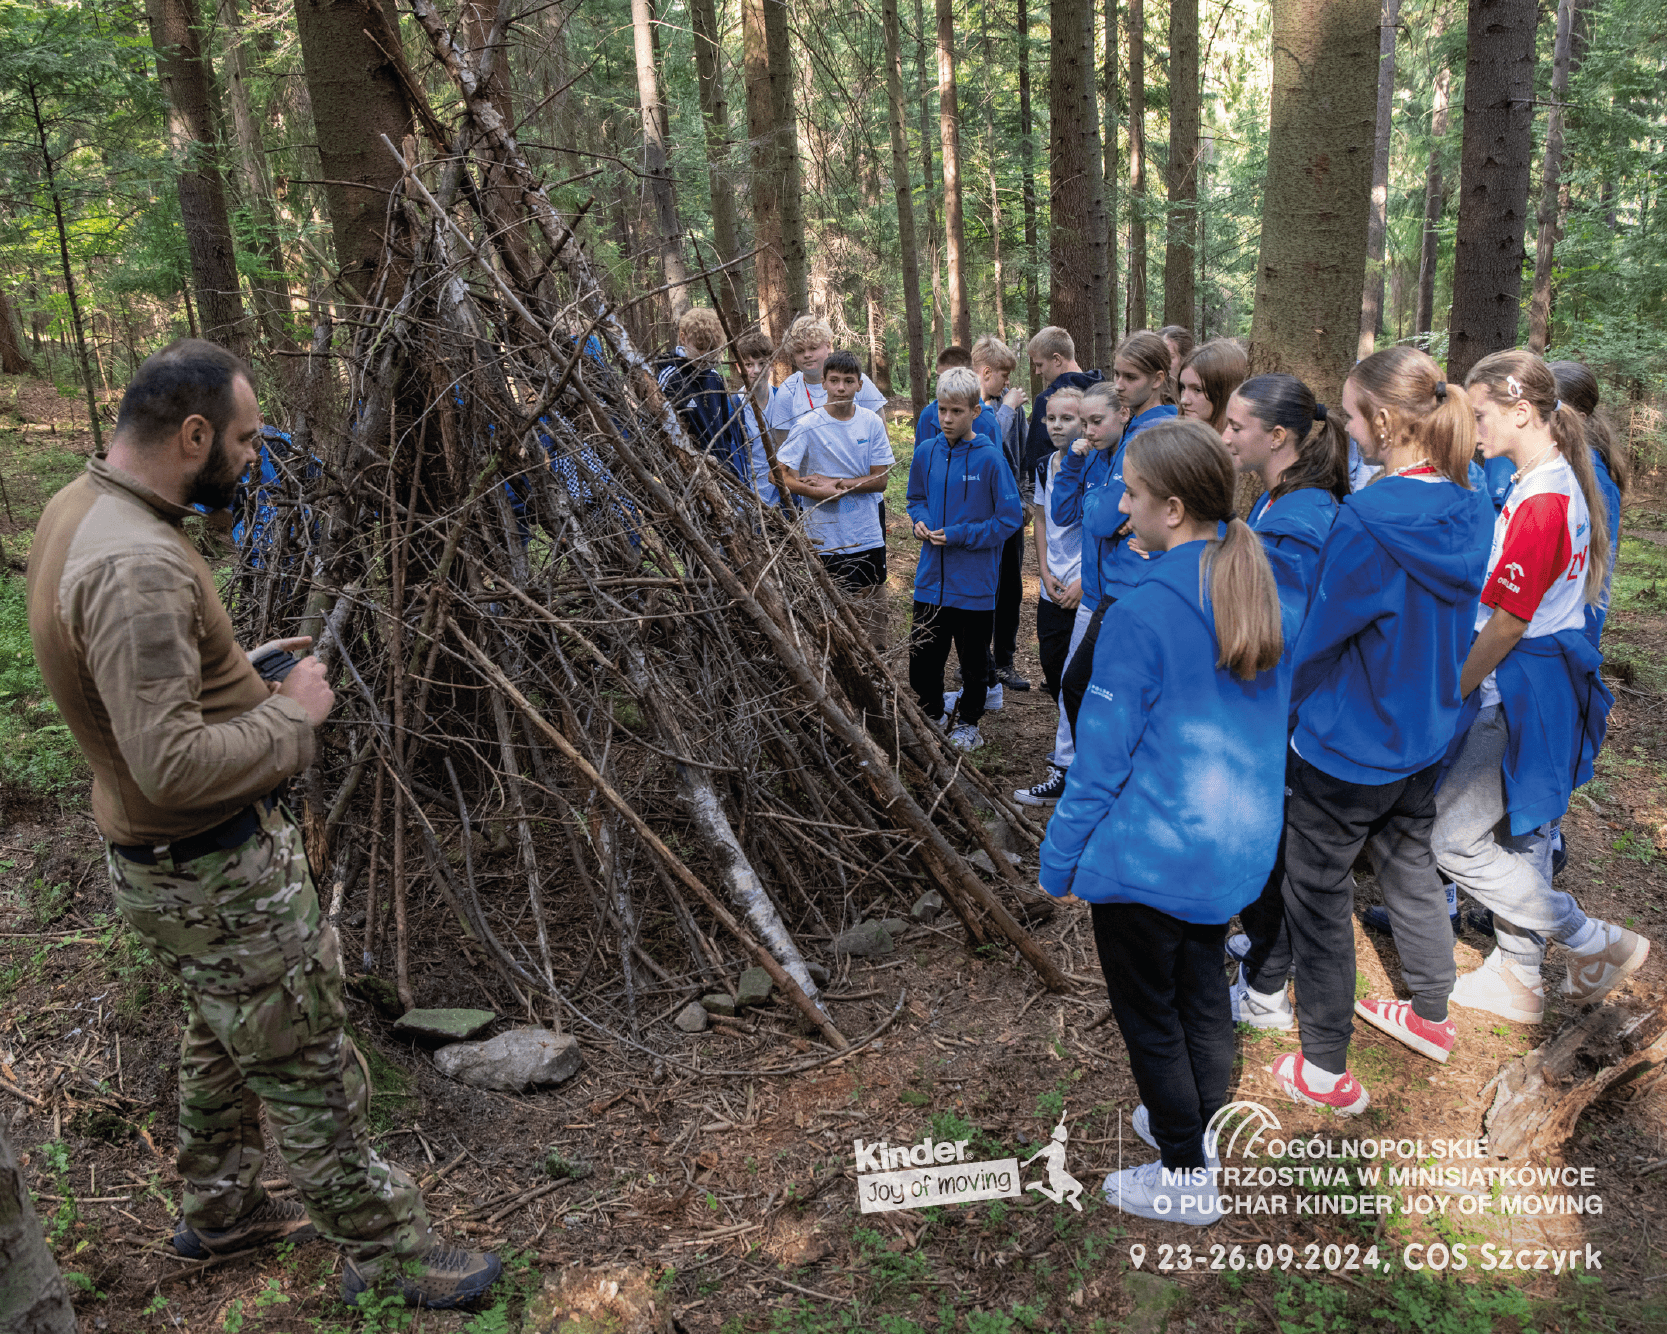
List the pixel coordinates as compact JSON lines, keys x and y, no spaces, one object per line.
{"x":264,"y":1027}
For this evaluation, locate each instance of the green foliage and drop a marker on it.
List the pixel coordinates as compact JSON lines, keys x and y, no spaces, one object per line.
{"x":37,"y":752}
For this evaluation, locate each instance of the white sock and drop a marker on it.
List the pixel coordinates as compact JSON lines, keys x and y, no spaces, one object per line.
{"x":1591,"y":936}
{"x":1321,"y":1081}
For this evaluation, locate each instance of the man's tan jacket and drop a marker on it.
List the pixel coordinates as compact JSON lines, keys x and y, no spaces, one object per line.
{"x":138,"y":652}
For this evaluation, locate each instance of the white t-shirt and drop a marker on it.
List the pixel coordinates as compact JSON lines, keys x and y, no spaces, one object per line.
{"x":1537,"y":570}
{"x":1064,"y":542}
{"x":760,"y":461}
{"x":822,"y":446}
{"x":794,"y":399}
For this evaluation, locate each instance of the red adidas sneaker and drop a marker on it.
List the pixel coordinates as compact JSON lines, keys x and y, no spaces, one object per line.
{"x":1347,"y":1099}
{"x":1395,"y":1017}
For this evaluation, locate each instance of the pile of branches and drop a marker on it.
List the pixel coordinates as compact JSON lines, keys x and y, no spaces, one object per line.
{"x":586,"y":680}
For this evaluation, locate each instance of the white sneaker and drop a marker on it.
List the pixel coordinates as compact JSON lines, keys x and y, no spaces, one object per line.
{"x":1259,"y":1013}
{"x":1186,"y":1195}
{"x":1502,"y":988}
{"x":966,"y":737}
{"x":1142,"y":1123}
{"x":992,"y":699}
{"x":1594,"y":973}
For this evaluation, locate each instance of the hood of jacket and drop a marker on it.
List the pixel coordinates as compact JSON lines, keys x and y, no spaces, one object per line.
{"x":1429,"y":529}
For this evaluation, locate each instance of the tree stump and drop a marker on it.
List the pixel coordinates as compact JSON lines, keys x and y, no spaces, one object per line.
{"x":1541,"y":1095}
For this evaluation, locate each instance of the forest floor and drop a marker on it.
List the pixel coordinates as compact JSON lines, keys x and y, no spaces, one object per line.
{"x":733,"y":1196}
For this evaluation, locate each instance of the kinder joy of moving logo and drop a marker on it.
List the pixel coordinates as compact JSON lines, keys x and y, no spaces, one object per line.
{"x":912,"y":1176}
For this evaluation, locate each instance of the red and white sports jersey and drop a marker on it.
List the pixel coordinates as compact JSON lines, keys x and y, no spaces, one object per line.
{"x":1537,"y":570}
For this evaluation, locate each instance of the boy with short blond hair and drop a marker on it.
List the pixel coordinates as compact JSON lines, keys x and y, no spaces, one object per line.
{"x":808,"y":343}
{"x":964,"y":506}
{"x":1053,"y":361}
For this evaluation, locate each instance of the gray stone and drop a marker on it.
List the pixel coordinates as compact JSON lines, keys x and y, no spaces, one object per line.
{"x":865,"y":940}
{"x":444,"y":1025}
{"x":1155,"y":1301}
{"x":718,"y":1003}
{"x":692,"y":1018}
{"x":895,"y":926}
{"x":981,"y":860}
{"x":927,"y":907}
{"x":818,"y":974}
{"x":512,"y":1061}
{"x":754,"y":987}
{"x":1004,"y":836}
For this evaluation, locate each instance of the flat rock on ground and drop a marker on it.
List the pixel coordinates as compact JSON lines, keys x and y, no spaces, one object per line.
{"x":444,"y":1025}
{"x":692,"y":1018}
{"x":754,"y":987}
{"x":512,"y":1061}
{"x":865,"y":940}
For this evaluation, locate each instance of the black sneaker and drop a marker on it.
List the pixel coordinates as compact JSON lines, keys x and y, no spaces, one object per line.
{"x":447,"y":1276}
{"x":1045,"y":793}
{"x":1009,"y":677}
{"x":268,"y":1223}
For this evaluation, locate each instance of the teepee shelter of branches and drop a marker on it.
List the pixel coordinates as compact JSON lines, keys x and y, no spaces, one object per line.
{"x":595,"y":702}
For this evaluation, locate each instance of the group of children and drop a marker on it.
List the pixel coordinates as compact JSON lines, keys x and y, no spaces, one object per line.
{"x":1395,"y":652}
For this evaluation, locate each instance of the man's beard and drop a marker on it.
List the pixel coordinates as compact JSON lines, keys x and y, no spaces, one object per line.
{"x":214,"y":485}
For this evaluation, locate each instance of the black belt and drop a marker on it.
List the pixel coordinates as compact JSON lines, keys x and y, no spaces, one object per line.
{"x":229,"y":833}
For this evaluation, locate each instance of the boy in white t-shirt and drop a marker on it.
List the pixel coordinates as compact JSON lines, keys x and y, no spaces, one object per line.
{"x":836,"y":458}
{"x":1059,"y":560}
{"x":809,"y":342}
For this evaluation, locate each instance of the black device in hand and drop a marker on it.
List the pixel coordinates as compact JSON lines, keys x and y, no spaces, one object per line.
{"x":275,"y":664}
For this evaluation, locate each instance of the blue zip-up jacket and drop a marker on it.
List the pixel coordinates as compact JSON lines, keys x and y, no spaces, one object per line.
{"x":1080,"y":474}
{"x":1121,"y":567}
{"x":1596,"y":616}
{"x":1498,"y":473}
{"x":985,"y":423}
{"x":966,"y":490}
{"x":1375,"y":686}
{"x":1293,"y":529}
{"x":1178,"y":793}
{"x":1556,"y":714}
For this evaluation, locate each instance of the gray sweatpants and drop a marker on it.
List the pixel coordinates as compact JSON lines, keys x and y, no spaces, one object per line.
{"x":1473,"y":845}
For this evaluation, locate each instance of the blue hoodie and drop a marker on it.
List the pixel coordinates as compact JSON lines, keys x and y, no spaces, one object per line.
{"x":1088,"y":491}
{"x":1178,"y":794}
{"x":1293,"y":529}
{"x":1499,"y":473}
{"x":1037,"y":443}
{"x":967,"y":490}
{"x":985,"y":424}
{"x":1375,"y":689}
{"x":1596,"y":616}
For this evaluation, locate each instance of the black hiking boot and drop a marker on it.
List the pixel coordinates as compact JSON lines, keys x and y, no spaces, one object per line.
{"x":268,"y":1223}
{"x":447,"y":1276}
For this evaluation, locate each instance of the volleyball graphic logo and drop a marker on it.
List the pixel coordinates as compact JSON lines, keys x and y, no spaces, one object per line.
{"x":1240,"y":1117}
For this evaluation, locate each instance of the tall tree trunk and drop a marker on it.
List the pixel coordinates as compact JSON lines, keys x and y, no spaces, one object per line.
{"x":1539,"y":305}
{"x":714,"y":111}
{"x":934,"y":252}
{"x":183,"y":70}
{"x":50,"y":167}
{"x":787,"y":128}
{"x":269,"y":291}
{"x":1077,"y":240}
{"x":905,"y":206}
{"x":775,"y":296}
{"x":879,"y":362}
{"x":988,"y":52}
{"x":949,"y":131}
{"x":1099,"y":222}
{"x":34,"y":1299}
{"x":1178,"y":272}
{"x":1318,"y":191}
{"x":1027,"y":159}
{"x":659,"y":194}
{"x":1377,"y":221}
{"x":500,"y":197}
{"x":357,"y":97}
{"x":1114,"y":312}
{"x":1137,"y":164}
{"x":1435,"y":190}
{"x":1493,"y":181}
{"x":12,"y":360}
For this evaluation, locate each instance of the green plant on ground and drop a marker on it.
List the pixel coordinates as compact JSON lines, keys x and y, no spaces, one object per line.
{"x":37,"y":752}
{"x":390,"y":1098}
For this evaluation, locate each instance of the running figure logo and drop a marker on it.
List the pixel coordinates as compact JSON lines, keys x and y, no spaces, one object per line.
{"x":1061,"y":1187}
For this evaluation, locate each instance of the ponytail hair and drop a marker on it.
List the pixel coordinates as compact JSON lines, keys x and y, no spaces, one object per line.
{"x":1187,"y":460}
{"x":1322,"y":457}
{"x":1507,"y":377}
{"x":1221,"y":365}
{"x":1150,"y":353}
{"x":1578,"y":388}
{"x":1423,"y":409}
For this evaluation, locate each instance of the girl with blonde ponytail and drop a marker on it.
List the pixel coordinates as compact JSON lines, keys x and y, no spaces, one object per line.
{"x":1171,"y":814}
{"x":1375,"y":699}
{"x":1536,"y":707}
